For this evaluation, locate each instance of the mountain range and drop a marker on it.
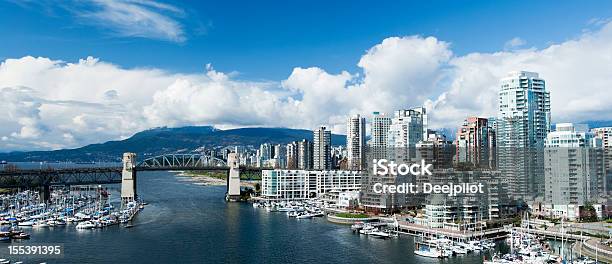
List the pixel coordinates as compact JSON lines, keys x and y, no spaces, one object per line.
{"x":170,"y":140}
{"x":186,"y":139}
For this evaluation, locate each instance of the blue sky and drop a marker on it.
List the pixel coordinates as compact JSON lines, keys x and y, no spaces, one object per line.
{"x":85,"y":71}
{"x":266,"y":39}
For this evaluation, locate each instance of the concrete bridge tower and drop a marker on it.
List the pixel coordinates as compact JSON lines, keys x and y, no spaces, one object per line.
{"x":233,"y":178}
{"x":128,"y":178}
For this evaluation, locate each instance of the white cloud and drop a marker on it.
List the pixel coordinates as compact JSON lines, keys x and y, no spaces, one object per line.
{"x":55,"y":104}
{"x":575,"y":72}
{"x":136,"y":18}
{"x":514,"y":43}
{"x":123,"y":18}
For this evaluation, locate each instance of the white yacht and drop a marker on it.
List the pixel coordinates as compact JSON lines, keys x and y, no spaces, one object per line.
{"x":428,"y":252}
{"x":26,"y":223}
{"x":380,"y":234}
{"x":40,"y":224}
{"x":304,"y":216}
{"x":367,"y":229}
{"x":85,"y":225}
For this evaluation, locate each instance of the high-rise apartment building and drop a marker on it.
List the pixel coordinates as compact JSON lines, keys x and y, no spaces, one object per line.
{"x":355,"y":142}
{"x":408,"y":127}
{"x":292,"y":155}
{"x":379,"y":127}
{"x":280,"y":155}
{"x":605,"y":134}
{"x":265,"y":151}
{"x":322,"y":148}
{"x":436,"y":150}
{"x":305,"y":155}
{"x":574,"y":166}
{"x":523,"y":121}
{"x":474,"y":141}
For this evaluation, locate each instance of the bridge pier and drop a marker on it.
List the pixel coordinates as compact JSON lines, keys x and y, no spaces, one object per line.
{"x":233,"y":178}
{"x":128,"y":178}
{"x":44,"y":193}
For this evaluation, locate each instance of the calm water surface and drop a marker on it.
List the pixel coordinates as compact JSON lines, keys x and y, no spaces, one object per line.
{"x":187,"y":223}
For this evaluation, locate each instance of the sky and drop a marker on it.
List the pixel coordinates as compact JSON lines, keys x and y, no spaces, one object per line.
{"x":79,"y":72}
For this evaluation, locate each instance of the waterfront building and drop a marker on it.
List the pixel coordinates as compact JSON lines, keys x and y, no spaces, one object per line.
{"x":348,"y":199}
{"x":605,"y":134}
{"x":523,"y":121}
{"x":305,"y":184}
{"x":322,"y":148}
{"x":356,"y":142}
{"x":379,"y":127}
{"x":305,"y":155}
{"x":574,"y":166}
{"x":465,"y":211}
{"x":572,"y":212}
{"x":474,"y":140}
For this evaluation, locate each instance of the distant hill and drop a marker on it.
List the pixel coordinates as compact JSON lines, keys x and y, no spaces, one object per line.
{"x":597,"y":123}
{"x":169,"y":140}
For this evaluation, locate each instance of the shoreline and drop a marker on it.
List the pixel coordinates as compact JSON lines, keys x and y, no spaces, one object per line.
{"x":204,"y":180}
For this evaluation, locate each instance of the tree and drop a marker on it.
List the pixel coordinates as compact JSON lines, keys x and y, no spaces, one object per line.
{"x":588,"y":213}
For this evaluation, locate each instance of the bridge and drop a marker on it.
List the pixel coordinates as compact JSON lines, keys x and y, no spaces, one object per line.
{"x":125,"y":175}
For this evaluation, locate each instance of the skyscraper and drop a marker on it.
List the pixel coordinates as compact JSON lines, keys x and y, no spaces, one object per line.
{"x":305,"y":157}
{"x":280,"y":155}
{"x":379,"y":135}
{"x":523,"y":122}
{"x":407,"y":128}
{"x":265,"y":151}
{"x":322,"y":148}
{"x":474,"y":140}
{"x":574,"y":166}
{"x":605,"y":134}
{"x":436,"y":150}
{"x":292,"y":155}
{"x":355,"y":142}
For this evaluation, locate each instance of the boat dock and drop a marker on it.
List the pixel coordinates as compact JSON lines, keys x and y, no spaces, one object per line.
{"x":418,"y":230}
{"x":552,"y":234}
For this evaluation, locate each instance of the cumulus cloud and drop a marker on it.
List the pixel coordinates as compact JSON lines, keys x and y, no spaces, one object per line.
{"x":55,"y":104}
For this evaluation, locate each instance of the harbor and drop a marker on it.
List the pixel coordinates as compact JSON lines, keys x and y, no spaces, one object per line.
{"x":79,"y":207}
{"x":508,"y":244}
{"x":183,"y":218}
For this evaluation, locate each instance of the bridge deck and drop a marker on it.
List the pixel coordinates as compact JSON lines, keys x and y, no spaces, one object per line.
{"x":89,"y":175}
{"x":64,"y":176}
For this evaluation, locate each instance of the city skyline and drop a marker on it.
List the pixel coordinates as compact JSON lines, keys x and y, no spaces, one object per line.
{"x":291,"y":131}
{"x":54,"y":100}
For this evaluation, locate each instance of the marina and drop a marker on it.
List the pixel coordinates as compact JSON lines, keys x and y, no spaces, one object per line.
{"x":80,"y":207}
{"x":508,"y":244}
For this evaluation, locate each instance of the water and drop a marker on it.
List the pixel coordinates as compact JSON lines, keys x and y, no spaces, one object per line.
{"x":188,"y":223}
